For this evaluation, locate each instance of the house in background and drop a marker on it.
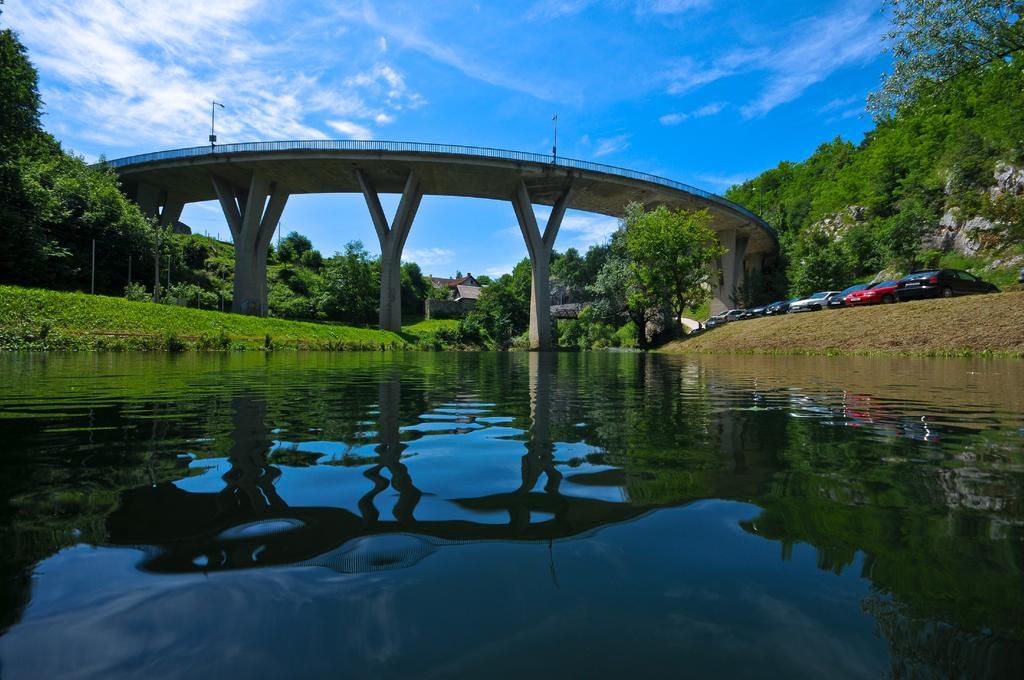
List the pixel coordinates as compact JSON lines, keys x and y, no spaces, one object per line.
{"x":452,"y":284}
{"x":463,"y":293}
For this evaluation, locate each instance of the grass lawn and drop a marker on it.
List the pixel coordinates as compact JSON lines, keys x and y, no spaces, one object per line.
{"x":44,"y":319}
{"x":973,"y":325}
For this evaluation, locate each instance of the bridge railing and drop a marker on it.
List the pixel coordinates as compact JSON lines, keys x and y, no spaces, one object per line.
{"x":421,"y":147}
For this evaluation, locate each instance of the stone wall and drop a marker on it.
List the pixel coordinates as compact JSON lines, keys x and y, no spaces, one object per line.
{"x":448,"y":309}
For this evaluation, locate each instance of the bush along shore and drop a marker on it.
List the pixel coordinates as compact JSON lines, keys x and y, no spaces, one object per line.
{"x":35,"y":319}
{"x":977,"y":325}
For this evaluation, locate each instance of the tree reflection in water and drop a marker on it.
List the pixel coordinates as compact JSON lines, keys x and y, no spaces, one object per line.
{"x":927,"y":502}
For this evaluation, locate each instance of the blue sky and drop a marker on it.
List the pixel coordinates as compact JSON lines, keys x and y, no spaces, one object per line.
{"x":707,"y":92}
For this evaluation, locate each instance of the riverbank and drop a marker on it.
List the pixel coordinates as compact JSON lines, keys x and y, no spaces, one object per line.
{"x":977,"y":325}
{"x":35,"y":319}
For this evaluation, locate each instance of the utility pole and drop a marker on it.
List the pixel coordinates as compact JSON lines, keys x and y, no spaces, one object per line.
{"x":156,"y":269}
{"x":129,"y":268}
{"x":93,"y":284}
{"x":213,"y":122}
{"x":554,"y":145}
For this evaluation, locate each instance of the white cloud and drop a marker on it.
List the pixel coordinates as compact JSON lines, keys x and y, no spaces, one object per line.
{"x":142,"y":74}
{"x":583,"y":231}
{"x":720,"y":182}
{"x":702,"y":112}
{"x":473,"y":66}
{"x":687,"y":74}
{"x":823,"y":46}
{"x":839,"y":103}
{"x":428,"y":257}
{"x":554,"y":9}
{"x":500,"y":270}
{"x":578,"y":230}
{"x":605,"y":146}
{"x":671,"y":6}
{"x":350,"y":129}
{"x":816,"y":48}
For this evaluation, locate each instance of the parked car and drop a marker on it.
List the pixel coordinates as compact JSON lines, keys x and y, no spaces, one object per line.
{"x":941,"y":283}
{"x":735,"y":314}
{"x":779,"y":307}
{"x":716,"y":320}
{"x":840,"y":300}
{"x":754,"y":313}
{"x":882,"y":292}
{"x":814,"y":302}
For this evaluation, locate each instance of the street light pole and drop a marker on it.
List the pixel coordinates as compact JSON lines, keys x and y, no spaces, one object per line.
{"x":554,"y":145}
{"x":213,"y":122}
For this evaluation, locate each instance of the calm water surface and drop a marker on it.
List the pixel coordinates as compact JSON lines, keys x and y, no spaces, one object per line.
{"x":503,"y":515}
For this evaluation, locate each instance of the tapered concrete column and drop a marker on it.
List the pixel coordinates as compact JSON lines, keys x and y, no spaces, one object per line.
{"x":740,"y":263}
{"x":724,"y":280}
{"x":165,"y":206}
{"x":392,"y":241}
{"x":539,"y":248}
{"x":252,"y":214}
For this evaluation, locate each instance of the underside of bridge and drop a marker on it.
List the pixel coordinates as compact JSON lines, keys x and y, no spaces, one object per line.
{"x":253,"y":183}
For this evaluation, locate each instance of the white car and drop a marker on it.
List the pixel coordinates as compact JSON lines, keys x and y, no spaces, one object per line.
{"x":814,"y":302}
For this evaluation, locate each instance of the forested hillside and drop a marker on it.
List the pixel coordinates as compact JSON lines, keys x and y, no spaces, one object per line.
{"x":940,"y":182}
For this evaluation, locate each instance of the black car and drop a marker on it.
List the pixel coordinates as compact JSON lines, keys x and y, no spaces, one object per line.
{"x":779,"y":307}
{"x":840,"y":300}
{"x":941,"y":283}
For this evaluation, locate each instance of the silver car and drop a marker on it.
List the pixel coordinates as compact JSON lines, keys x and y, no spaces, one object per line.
{"x":814,"y":302}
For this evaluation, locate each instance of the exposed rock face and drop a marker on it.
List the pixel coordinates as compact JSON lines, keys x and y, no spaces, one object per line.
{"x":1009,"y":180}
{"x":836,"y":225}
{"x":968,"y":236}
{"x":955,"y":234}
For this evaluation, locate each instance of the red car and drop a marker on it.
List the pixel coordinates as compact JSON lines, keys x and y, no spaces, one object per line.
{"x":883,"y":292}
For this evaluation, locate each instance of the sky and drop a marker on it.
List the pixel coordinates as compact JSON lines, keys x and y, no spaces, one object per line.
{"x":706,"y":92}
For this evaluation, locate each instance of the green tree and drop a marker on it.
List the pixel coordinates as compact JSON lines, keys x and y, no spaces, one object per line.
{"x":901,"y":234}
{"x":819,"y":262}
{"x":934,"y":41}
{"x":617,"y":296}
{"x":671,"y":255}
{"x":568,"y":270}
{"x":415,"y":288}
{"x":293,"y":246}
{"x":349,"y":288}
{"x":20,"y":102}
{"x":503,"y":310}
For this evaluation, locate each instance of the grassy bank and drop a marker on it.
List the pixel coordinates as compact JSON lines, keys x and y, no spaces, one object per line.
{"x":44,"y":319}
{"x":976,"y":325}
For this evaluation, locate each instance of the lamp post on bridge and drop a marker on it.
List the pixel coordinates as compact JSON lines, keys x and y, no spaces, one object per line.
{"x":554,"y":145}
{"x":213,"y":122}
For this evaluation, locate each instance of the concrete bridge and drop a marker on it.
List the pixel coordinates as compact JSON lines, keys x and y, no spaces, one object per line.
{"x":253,"y":181}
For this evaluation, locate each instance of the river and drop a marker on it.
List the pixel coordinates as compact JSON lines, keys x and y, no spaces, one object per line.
{"x":553,"y":515}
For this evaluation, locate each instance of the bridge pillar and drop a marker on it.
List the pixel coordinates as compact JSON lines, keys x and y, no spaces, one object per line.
{"x":166,"y":206}
{"x":252,"y":214}
{"x":732,"y":269}
{"x":392,"y":241}
{"x":539,"y":248}
{"x":724,"y":278}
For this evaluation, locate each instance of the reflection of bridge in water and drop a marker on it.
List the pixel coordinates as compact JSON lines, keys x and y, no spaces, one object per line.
{"x":248,"y":524}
